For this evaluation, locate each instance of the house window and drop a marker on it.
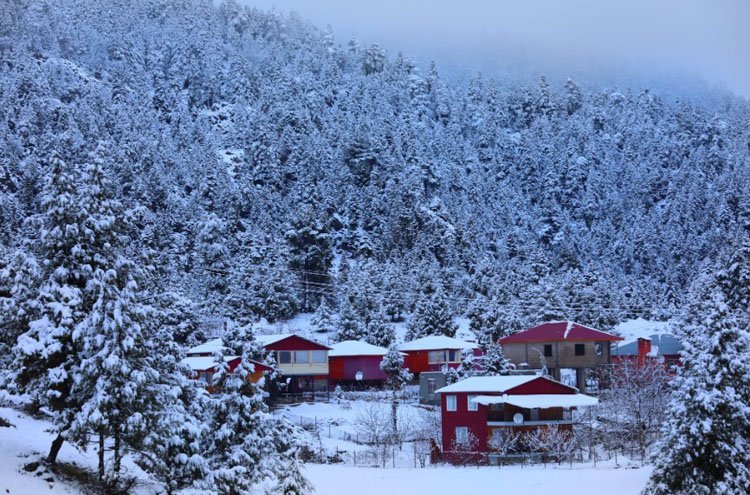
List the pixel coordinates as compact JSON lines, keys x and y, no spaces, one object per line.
{"x":580,"y":350}
{"x":431,"y":386}
{"x":453,"y":357}
{"x":534,"y":415}
{"x":319,"y":357}
{"x":301,"y":357}
{"x":462,"y":434}
{"x":436,"y":356}
{"x":547,"y":350}
{"x":598,"y":348}
{"x":470,"y":405}
{"x":285,"y":357}
{"x":450,"y":403}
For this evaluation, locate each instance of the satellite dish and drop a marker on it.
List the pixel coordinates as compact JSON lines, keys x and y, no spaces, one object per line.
{"x":359,"y":376}
{"x":518,"y":418}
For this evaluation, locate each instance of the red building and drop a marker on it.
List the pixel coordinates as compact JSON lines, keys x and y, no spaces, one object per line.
{"x":662,"y":347}
{"x":301,"y":362}
{"x":480,"y":411}
{"x":204,"y":367}
{"x":353,"y":362}
{"x":434,"y":352}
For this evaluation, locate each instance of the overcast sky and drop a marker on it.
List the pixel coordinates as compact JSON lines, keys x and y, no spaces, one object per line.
{"x":708,"y":38}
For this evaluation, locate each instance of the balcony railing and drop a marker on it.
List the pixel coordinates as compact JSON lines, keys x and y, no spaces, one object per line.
{"x":531,"y":423}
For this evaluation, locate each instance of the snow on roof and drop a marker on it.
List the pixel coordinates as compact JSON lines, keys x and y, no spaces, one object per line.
{"x":557,"y":331}
{"x":540,"y":401}
{"x":203,"y":363}
{"x":436,"y":342}
{"x":209,"y":347}
{"x":265,"y":340}
{"x":639,"y":328}
{"x":356,"y":348}
{"x":498,"y":384}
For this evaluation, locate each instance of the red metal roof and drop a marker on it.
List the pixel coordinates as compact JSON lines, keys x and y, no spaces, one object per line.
{"x":558,"y":331}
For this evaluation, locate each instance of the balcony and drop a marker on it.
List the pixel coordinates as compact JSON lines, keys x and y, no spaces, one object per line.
{"x":549,"y":422}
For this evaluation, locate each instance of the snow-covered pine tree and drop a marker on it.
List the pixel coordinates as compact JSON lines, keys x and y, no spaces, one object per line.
{"x":125,"y":375}
{"x":495,"y":362}
{"x":379,"y":330}
{"x":464,"y":370}
{"x":172,"y":449}
{"x":706,"y":438}
{"x":46,"y":356}
{"x":178,"y":313}
{"x":236,"y":441}
{"x":349,"y":326}
{"x":432,"y":316}
{"x":397,"y":377}
{"x":19,"y":280}
{"x":246,"y":443}
{"x":323,"y":320}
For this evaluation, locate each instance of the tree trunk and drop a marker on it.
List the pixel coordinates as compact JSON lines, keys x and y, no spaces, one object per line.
{"x":117,"y":460}
{"x":394,"y":417}
{"x":101,"y":457}
{"x":55,"y":448}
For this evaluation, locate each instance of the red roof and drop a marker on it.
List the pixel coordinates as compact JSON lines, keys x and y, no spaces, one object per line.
{"x":558,"y":331}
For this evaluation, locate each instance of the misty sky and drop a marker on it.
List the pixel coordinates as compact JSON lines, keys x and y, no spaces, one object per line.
{"x":655,"y":38}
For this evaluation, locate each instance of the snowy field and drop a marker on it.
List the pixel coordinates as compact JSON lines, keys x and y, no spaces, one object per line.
{"x":335,"y":480}
{"x":27,"y":440}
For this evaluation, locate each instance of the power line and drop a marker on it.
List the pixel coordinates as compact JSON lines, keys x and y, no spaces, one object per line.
{"x":329,"y":289}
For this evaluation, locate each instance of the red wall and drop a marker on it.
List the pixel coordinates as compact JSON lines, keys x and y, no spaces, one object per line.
{"x":540,"y":386}
{"x":476,"y":421}
{"x":295,"y":343}
{"x":346,"y":367}
{"x":419,"y":362}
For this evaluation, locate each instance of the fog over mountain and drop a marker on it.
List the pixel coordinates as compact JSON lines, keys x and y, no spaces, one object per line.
{"x":639,"y":42}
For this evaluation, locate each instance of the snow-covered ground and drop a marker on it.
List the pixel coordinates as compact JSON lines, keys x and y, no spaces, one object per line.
{"x":27,"y":440}
{"x":439,"y":480}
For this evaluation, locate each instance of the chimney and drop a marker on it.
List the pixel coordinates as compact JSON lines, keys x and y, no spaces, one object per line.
{"x":644,"y":348}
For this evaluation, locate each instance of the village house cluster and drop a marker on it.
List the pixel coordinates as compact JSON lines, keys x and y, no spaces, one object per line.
{"x":554,"y":364}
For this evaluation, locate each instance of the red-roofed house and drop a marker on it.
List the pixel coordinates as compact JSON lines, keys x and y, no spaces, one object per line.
{"x":302,"y":362}
{"x":478,"y":412}
{"x":563,"y":346}
{"x":204,"y":367}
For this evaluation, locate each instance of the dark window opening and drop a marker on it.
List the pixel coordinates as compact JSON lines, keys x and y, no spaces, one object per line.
{"x":580,"y":350}
{"x":547,"y":350}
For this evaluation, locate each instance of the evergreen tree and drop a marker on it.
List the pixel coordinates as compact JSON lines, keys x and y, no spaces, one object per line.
{"x":464,"y":370}
{"x":705,"y":448}
{"x":397,"y":376}
{"x":431,"y":317}
{"x":380,"y":331}
{"x":495,"y":362}
{"x":323,"y":320}
{"x":247,"y":443}
{"x":349,"y":326}
{"x":19,"y":279}
{"x":46,"y":354}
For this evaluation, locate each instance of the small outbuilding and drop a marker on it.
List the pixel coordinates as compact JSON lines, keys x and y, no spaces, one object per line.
{"x":357,"y":363}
